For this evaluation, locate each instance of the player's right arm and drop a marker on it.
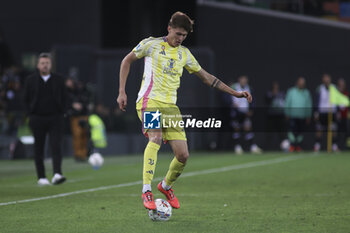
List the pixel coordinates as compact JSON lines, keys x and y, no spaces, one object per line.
{"x":123,"y":76}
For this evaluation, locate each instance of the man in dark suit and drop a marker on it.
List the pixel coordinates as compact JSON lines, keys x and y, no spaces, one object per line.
{"x":45,"y":99}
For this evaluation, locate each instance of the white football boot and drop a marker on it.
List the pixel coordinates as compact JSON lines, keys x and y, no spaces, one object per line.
{"x":58,"y":179}
{"x":43,"y":182}
{"x":238,"y":149}
{"x":255,"y":149}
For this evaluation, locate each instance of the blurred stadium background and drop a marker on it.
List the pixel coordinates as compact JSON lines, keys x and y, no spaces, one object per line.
{"x":267,"y":40}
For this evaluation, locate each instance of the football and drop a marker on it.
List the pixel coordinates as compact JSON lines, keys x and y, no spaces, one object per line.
{"x":285,"y":145}
{"x":163,"y":211}
{"x":96,"y":160}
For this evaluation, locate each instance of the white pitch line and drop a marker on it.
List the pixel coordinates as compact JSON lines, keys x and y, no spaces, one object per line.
{"x":188,"y":174}
{"x":245,"y":165}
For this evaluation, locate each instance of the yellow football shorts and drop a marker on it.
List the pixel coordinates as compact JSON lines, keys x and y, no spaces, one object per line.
{"x":170,"y":118}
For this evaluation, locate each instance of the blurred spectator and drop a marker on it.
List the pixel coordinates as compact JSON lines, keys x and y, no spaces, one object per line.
{"x":104,"y":113}
{"x":275,"y":126}
{"x":6,"y":60}
{"x":3,"y":121}
{"x":78,"y":103}
{"x":241,"y":114}
{"x":97,"y":132}
{"x":343,"y":122}
{"x":14,"y":109}
{"x":324,"y":108}
{"x":298,"y":110}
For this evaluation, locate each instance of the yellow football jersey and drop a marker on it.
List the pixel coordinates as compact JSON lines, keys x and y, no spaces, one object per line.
{"x":163,"y":68}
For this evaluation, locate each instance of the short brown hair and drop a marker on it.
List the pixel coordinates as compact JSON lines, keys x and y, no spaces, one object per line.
{"x":45,"y":55}
{"x":181,"y":20}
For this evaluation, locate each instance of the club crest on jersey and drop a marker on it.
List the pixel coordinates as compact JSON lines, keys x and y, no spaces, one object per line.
{"x":163,"y":50}
{"x":171,"y":63}
{"x":180,"y":56}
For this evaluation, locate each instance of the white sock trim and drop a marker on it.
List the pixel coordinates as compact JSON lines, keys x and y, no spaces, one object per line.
{"x":146,"y":187}
{"x":165,"y":186}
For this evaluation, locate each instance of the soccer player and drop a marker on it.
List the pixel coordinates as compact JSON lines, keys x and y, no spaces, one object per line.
{"x":241,"y":114}
{"x":165,"y":59}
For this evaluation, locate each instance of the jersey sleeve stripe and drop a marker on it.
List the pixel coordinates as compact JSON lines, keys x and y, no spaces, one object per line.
{"x":148,"y":82}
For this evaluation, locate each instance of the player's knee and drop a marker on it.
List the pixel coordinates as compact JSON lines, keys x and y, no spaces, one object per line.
{"x":156,"y":139}
{"x":182,"y":157}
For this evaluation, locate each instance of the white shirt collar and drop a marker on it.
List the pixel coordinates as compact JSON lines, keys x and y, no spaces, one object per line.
{"x":46,"y":77}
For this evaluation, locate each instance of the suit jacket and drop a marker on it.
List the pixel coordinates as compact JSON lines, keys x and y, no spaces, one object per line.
{"x":31,"y":91}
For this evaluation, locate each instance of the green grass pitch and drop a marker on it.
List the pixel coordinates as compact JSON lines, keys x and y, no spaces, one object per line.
{"x":218,"y":192}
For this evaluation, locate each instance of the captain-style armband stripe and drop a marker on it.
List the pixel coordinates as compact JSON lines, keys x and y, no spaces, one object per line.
{"x":214,"y":82}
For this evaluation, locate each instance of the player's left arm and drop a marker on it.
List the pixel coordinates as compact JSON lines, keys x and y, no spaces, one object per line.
{"x":214,"y":82}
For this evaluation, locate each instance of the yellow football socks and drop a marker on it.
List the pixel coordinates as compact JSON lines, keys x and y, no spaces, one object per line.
{"x":175,"y":170}
{"x":149,"y":162}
